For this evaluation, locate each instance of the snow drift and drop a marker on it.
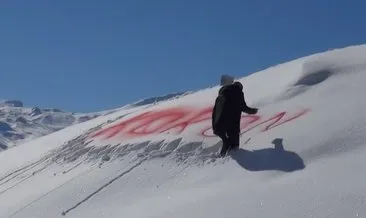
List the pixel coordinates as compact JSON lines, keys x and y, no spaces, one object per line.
{"x":301,"y":156}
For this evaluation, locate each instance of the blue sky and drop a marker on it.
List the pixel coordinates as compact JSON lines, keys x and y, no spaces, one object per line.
{"x":88,"y":55}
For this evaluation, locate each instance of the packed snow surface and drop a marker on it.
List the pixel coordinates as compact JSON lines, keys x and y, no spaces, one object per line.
{"x":302,"y":155}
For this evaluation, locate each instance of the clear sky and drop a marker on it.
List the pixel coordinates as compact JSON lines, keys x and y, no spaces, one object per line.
{"x":89,"y":55}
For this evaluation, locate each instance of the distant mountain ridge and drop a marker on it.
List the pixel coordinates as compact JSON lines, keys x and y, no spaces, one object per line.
{"x":19,"y":124}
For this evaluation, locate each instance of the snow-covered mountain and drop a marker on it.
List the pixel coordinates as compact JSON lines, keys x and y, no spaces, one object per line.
{"x":19,"y":124}
{"x":301,"y":156}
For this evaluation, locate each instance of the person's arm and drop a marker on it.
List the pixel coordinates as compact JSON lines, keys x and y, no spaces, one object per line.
{"x":244,"y":107}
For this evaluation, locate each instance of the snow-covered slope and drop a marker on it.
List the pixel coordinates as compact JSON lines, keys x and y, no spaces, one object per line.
{"x":19,"y":124}
{"x":302,"y":155}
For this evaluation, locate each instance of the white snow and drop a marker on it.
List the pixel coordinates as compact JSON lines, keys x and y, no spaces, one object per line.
{"x":301,"y":156}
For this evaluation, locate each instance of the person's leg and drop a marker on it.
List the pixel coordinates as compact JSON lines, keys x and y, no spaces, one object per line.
{"x":233,"y":131}
{"x":233,"y":139}
{"x":225,"y":143}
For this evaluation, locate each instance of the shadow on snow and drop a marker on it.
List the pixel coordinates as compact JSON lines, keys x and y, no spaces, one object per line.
{"x":276,"y":158}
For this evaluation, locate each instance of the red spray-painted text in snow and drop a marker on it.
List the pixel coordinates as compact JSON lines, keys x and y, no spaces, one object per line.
{"x":177,"y":120}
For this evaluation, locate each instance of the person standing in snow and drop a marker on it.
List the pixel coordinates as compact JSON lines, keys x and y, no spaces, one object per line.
{"x":226,"y":114}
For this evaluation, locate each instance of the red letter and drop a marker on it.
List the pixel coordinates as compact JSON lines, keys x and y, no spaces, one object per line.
{"x":274,"y":121}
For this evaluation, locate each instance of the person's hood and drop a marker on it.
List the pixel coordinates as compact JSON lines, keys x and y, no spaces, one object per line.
{"x":226,"y":80}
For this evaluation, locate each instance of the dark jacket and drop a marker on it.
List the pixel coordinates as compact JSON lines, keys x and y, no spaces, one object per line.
{"x":229,"y":105}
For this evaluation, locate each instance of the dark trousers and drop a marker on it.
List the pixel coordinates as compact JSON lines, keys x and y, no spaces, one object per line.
{"x":230,"y":140}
